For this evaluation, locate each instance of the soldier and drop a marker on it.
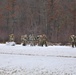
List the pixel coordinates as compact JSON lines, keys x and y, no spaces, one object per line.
{"x":39,"y":37}
{"x":36,"y":40}
{"x":24,"y":39}
{"x":73,"y":40}
{"x":42,"y":40}
{"x":11,"y":37}
{"x":31,"y":39}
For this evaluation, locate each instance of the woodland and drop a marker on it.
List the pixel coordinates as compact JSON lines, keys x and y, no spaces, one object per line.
{"x":55,"y":18}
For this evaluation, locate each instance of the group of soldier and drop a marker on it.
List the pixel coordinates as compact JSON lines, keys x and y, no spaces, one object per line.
{"x":39,"y":40}
{"x":73,"y":40}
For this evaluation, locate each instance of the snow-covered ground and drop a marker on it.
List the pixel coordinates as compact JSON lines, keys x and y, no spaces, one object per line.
{"x":35,"y":60}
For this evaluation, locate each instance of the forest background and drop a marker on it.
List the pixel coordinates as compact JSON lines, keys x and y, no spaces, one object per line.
{"x":55,"y":18}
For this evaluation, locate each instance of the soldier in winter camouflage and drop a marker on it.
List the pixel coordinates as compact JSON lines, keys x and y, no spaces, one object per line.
{"x":42,"y":40}
{"x":11,"y":37}
{"x":24,"y":39}
{"x":31,"y":40}
{"x":39,"y":39}
{"x":11,"y":40}
{"x":73,"y":40}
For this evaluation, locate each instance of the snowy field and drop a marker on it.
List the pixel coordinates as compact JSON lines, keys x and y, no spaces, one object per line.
{"x":35,"y":60}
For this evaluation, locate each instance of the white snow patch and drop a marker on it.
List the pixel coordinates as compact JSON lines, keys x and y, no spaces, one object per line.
{"x":35,"y":60}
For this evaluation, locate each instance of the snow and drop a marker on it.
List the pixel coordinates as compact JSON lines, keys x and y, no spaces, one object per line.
{"x":36,"y":60}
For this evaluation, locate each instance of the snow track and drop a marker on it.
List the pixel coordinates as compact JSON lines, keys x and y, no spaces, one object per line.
{"x":35,"y":60}
{"x":40,"y":55}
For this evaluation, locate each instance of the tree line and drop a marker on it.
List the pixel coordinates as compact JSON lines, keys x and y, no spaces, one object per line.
{"x":55,"y":18}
